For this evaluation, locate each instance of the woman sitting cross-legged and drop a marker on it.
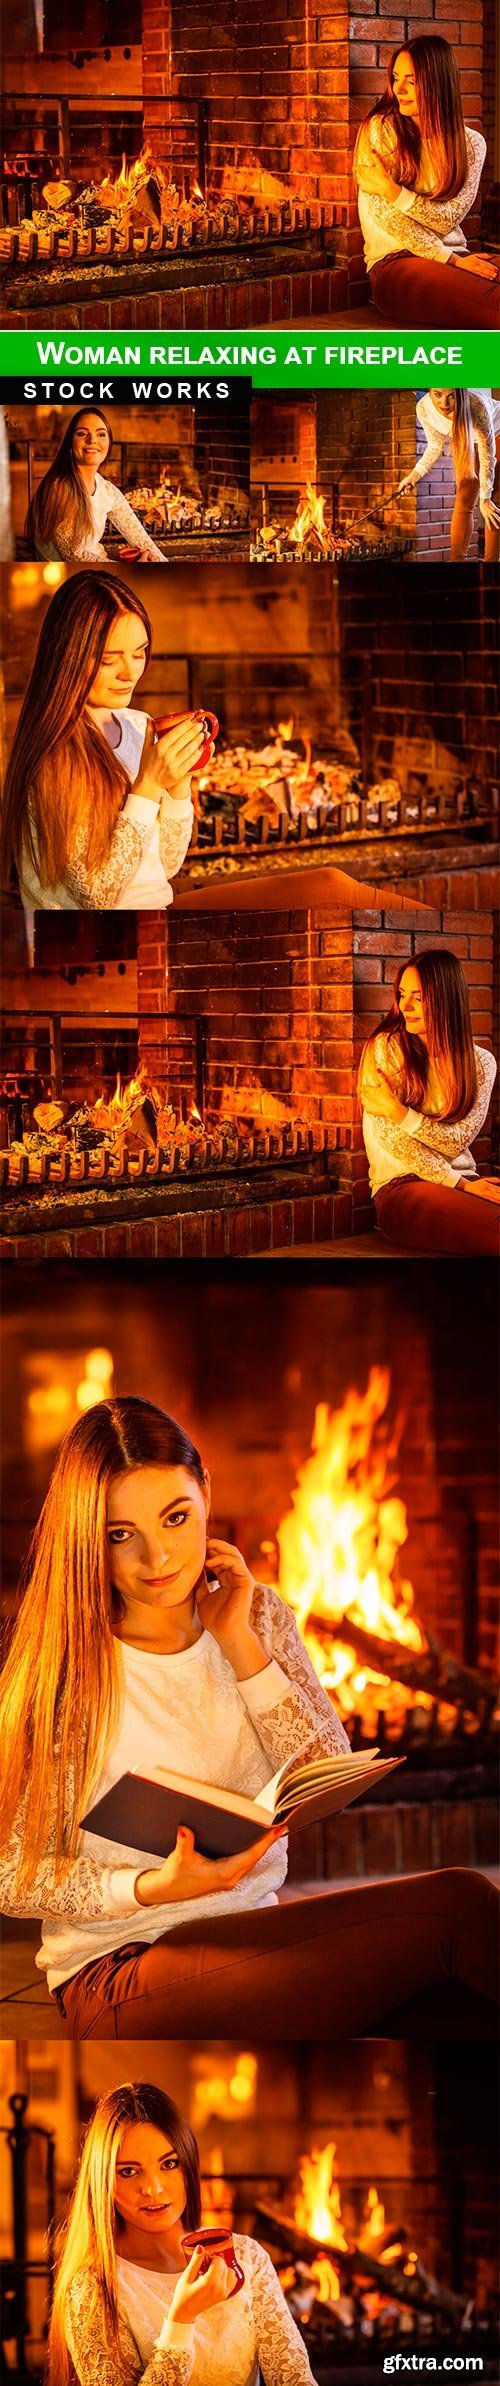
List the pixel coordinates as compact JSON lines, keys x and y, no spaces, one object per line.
{"x":418,"y":169}
{"x":132,"y":2302}
{"x":425,"y":1088}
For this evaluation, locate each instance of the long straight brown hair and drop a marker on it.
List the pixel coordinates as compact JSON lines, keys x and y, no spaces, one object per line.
{"x":60,"y":1686}
{"x":89,"y":2240}
{"x":441,"y":120}
{"x":448,"y":1028}
{"x":62,"y":775}
{"x":60,"y":502}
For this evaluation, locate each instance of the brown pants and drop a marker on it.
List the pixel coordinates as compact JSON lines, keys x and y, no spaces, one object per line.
{"x":432,"y":1218}
{"x":331,"y":1966}
{"x":418,"y":291}
{"x":463,"y":517}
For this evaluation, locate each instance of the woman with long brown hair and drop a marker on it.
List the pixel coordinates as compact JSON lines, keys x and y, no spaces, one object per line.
{"x":425,"y":1089}
{"x":418,"y":167}
{"x":132,"y":2301}
{"x":143,"y":1638}
{"x":468,"y":420}
{"x":97,"y":811}
{"x":68,"y":513}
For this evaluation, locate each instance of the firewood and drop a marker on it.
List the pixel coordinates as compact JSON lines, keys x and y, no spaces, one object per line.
{"x":433,"y":1669}
{"x":420,"y":2290}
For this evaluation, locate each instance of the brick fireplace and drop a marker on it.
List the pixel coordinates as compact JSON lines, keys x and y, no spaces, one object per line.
{"x":324,"y":469}
{"x":260,"y":107}
{"x":249,"y":1023}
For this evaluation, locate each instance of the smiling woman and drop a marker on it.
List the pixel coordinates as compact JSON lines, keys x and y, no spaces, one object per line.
{"x":418,"y":168}
{"x":131,"y":2300}
{"x":425,"y":1090}
{"x":73,"y":502}
{"x":139,"y":1637}
{"x":97,"y":809}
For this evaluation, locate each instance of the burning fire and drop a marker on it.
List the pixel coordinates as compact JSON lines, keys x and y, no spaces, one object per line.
{"x":130,"y":181}
{"x":310,"y":522}
{"x":340,"y":1549}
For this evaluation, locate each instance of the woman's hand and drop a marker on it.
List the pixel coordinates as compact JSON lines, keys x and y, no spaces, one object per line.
{"x":480,"y":265}
{"x":167,"y":763}
{"x":225,"y":1610}
{"x":382,"y":1103}
{"x":198,"y":2289}
{"x":487,"y":1187}
{"x":187,"y":1874}
{"x":372,"y":175}
{"x":407,"y":483}
{"x":490,"y":513}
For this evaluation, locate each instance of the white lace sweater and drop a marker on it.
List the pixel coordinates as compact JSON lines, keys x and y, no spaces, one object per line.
{"x":485,"y":411}
{"x":224,"y":2347}
{"x":188,"y":1711}
{"x":107,"y":504}
{"x":147,"y":847}
{"x":422,"y":1144}
{"x":427,"y":227}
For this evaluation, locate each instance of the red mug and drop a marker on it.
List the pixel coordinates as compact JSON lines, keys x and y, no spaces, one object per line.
{"x":208,"y":722}
{"x":213,"y":2242}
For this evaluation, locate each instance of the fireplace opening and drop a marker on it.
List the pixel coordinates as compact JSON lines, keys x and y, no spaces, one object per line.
{"x":184,"y":469}
{"x":325,"y":473}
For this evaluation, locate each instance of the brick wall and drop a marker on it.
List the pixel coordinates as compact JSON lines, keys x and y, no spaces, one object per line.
{"x":275,"y":76}
{"x":433,"y":664}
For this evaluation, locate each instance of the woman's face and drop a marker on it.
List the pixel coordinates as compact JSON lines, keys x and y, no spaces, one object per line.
{"x":404,"y":85}
{"x":150,"y":2188}
{"x":157,"y":1535}
{"x":90,"y":441}
{"x":411,"y":1002}
{"x":122,"y":663}
{"x":444,"y":399}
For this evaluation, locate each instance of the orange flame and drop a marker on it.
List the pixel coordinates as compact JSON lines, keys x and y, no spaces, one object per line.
{"x":340,"y":1546}
{"x":310,"y":520}
{"x":318,"y":2206}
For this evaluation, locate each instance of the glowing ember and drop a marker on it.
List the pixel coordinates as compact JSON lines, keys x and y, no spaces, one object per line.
{"x":374,"y":2221}
{"x":340,"y":1549}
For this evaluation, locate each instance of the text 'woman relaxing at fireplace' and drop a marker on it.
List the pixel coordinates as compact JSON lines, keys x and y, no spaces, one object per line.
{"x":142,"y":1642}
{"x":97,"y":809}
{"x":418,"y":168}
{"x":425,"y":1089}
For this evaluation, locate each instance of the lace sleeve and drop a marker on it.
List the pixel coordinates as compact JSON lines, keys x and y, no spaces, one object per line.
{"x":95,"y":2365}
{"x":176,"y":822}
{"x":99,"y":890}
{"x":443,"y":215}
{"x":122,"y":514}
{"x":435,"y":443}
{"x":281,"y":2352}
{"x":485,"y":442}
{"x":303,"y":1721}
{"x":86,"y":1888}
{"x":403,"y":228}
{"x":419,"y":1161}
{"x":450,"y":1136}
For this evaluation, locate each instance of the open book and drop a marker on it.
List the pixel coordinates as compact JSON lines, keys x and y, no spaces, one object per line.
{"x":145,"y":1811}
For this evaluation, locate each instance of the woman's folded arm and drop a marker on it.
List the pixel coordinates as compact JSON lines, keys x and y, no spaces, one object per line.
{"x":443,"y":215}
{"x":450,"y":1136}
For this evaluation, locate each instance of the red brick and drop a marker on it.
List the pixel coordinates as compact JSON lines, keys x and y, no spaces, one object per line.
{"x":168,"y":1238}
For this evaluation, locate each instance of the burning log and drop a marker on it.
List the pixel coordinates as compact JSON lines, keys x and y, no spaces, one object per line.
{"x":413,"y":2285}
{"x":434,"y":1670}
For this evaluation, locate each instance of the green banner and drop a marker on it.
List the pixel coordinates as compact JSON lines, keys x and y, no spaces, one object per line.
{"x":315,"y":359}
